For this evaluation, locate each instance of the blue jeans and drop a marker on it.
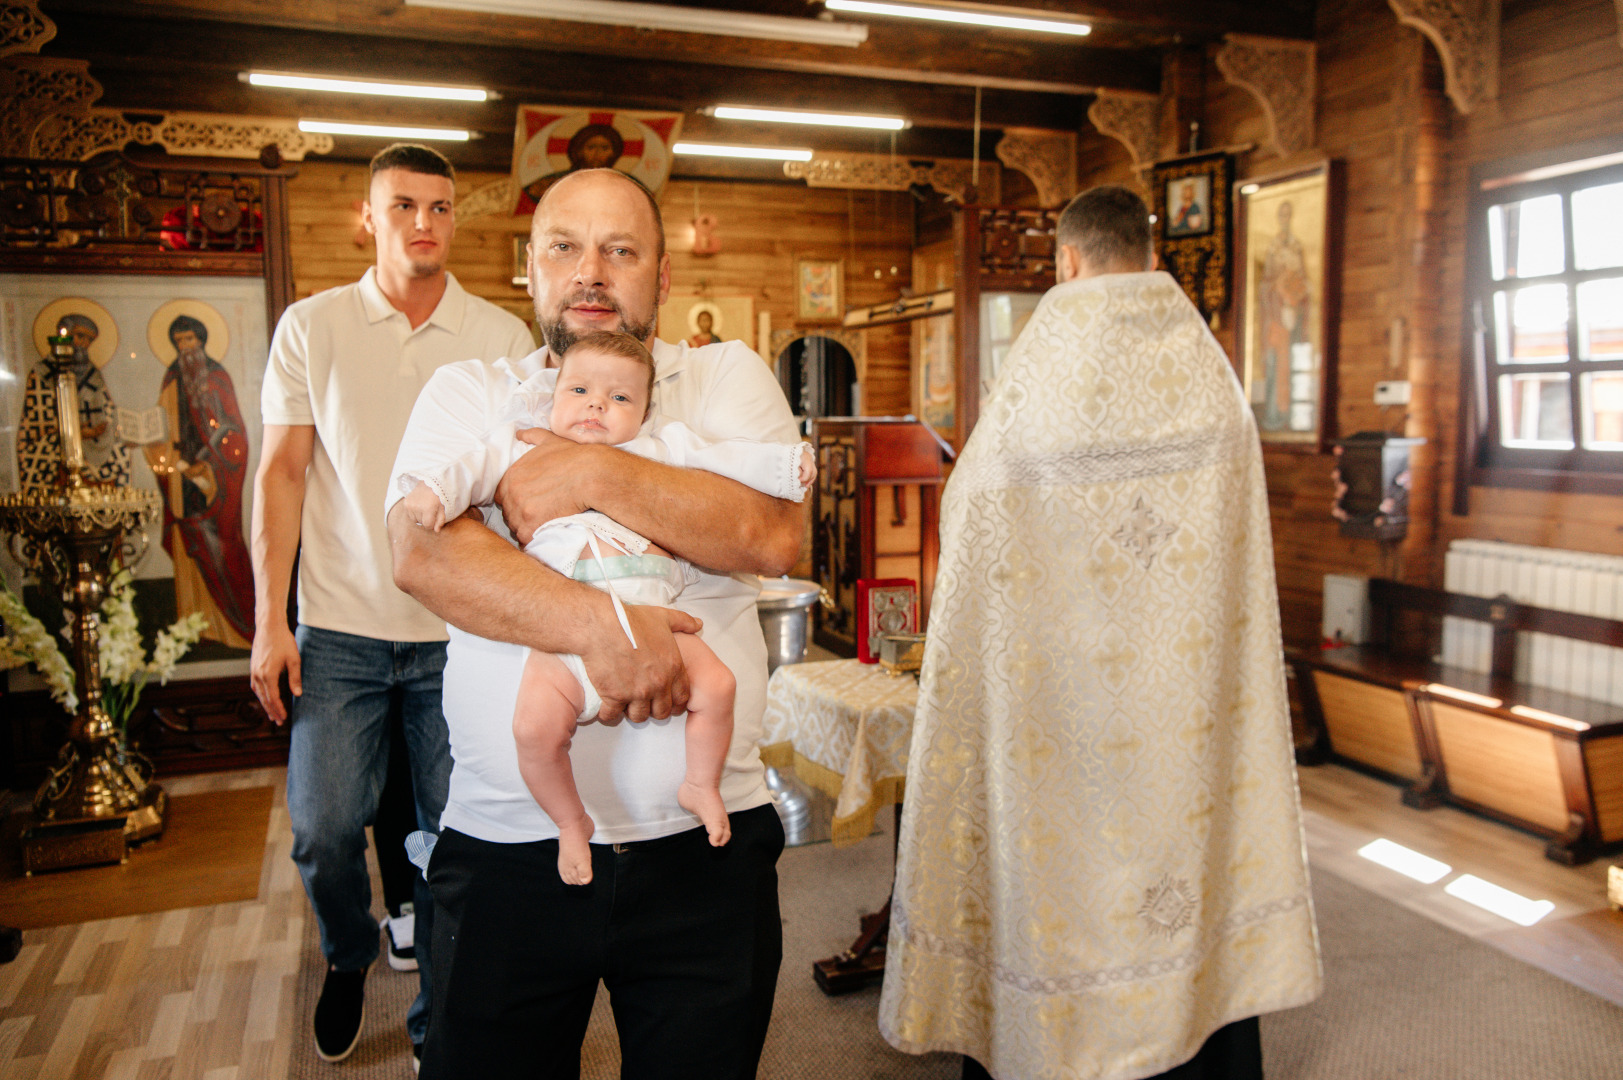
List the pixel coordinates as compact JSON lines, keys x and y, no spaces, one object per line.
{"x":336,"y":766}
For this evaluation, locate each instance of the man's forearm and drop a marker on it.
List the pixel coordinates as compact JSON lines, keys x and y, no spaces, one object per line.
{"x":480,"y":583}
{"x":707,"y":519}
{"x":274,"y":541}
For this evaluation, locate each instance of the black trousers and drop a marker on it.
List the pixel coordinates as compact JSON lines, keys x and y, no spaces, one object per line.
{"x":396,"y":819}
{"x":1234,"y":1052}
{"x":686,"y":937}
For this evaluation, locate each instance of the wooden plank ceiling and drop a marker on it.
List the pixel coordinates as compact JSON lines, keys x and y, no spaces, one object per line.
{"x":185,"y":55}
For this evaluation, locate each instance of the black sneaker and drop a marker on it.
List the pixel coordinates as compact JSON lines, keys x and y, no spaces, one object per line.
{"x":339,"y":1014}
{"x":416,"y":1057}
{"x":400,"y":931}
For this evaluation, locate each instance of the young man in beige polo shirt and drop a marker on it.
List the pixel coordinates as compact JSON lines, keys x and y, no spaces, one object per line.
{"x":345,"y":368}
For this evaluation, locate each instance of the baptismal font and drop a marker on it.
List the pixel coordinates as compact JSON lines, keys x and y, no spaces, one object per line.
{"x":99,"y":797}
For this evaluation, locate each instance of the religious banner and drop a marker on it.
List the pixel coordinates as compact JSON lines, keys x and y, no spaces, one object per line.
{"x":1193,"y":229}
{"x":552,"y":141}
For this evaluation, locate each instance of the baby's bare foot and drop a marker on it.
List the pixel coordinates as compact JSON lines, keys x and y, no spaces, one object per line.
{"x":575,"y":853}
{"x":705,"y":804}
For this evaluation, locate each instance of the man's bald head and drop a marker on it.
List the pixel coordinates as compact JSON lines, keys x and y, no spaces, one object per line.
{"x":653,"y":203}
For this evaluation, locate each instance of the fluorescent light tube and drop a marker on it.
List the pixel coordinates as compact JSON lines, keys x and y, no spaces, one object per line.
{"x":1406,"y":861}
{"x":281,"y":81}
{"x":763,"y":153}
{"x":385,"y":131}
{"x":668,"y":17}
{"x":965,"y":16}
{"x":1501,"y":901}
{"x":796,"y":116}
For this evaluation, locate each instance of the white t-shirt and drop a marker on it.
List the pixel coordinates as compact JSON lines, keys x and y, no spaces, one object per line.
{"x":349,"y":363}
{"x":627,"y":774}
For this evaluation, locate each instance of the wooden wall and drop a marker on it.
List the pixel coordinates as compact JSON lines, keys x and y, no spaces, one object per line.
{"x":1407,"y":153}
{"x":1560,"y":83}
{"x":763,"y":228}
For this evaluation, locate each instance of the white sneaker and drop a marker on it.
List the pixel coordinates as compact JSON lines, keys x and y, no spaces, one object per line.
{"x":401,"y":931}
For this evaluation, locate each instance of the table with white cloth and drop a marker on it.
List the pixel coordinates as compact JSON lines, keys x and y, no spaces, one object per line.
{"x":845,"y":727}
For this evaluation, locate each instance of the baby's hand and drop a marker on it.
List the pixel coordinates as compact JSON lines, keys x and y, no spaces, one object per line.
{"x":808,"y":467}
{"x":425,"y":508}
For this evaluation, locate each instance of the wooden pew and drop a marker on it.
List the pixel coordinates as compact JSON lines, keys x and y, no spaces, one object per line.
{"x":1546,"y":761}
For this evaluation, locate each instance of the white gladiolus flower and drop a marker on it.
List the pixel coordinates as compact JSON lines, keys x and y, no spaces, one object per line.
{"x":29,"y":643}
{"x":175,"y":642}
{"x":125,"y":666}
{"x":120,"y":638}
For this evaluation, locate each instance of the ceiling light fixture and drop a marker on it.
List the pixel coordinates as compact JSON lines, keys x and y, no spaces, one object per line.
{"x":761,"y":153}
{"x":668,"y":17}
{"x":385,"y":131}
{"x":796,"y":116}
{"x":967,"y":15}
{"x":282,"y":80}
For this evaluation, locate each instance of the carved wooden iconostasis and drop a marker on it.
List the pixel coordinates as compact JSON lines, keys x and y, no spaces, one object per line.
{"x":171,"y":272}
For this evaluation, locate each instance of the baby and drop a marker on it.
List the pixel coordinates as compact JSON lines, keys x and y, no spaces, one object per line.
{"x":603,"y":394}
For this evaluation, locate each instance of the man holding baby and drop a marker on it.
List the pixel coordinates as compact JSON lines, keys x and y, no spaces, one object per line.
{"x":684,"y":934}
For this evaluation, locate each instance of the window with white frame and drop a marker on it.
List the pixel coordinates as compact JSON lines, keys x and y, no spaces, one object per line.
{"x":1546,"y":290}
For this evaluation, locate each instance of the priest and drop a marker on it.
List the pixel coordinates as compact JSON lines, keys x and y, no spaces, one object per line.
{"x":1101,"y":872}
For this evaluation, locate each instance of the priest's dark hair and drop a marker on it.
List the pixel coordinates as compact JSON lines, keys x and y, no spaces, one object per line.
{"x":1109,"y":227}
{"x":413,"y":157}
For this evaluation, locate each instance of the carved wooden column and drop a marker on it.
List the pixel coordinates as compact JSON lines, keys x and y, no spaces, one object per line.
{"x":1134,"y":120}
{"x":1282,"y":74}
{"x":1047,"y":158}
{"x":1466,"y":34}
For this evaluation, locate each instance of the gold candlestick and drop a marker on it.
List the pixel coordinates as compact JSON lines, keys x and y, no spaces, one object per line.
{"x":97,"y":800}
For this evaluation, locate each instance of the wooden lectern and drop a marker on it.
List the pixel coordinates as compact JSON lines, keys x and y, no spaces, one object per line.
{"x":873,"y":515}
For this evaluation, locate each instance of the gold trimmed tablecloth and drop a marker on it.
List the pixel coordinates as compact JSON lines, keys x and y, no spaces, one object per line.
{"x":845,"y":727}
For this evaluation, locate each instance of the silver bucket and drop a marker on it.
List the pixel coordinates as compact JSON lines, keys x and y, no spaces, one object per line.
{"x":785,"y":610}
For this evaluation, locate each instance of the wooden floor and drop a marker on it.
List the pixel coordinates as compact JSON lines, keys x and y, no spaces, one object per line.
{"x":207,"y":992}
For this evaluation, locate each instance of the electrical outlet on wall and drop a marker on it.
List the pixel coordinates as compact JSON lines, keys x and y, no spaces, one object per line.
{"x":1392,"y":393}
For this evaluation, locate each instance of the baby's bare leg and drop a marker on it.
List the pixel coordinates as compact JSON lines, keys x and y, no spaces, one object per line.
{"x":709,"y":734}
{"x":549,"y":700}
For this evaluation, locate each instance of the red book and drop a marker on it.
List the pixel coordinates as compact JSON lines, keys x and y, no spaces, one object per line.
{"x":884,"y":606}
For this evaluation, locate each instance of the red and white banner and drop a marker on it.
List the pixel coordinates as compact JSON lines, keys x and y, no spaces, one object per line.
{"x":552,"y":141}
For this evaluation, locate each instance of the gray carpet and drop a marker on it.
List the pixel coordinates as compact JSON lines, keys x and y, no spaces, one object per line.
{"x":1404,"y":998}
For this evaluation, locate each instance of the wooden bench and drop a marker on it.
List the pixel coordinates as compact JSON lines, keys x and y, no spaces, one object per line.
{"x":1547,"y":761}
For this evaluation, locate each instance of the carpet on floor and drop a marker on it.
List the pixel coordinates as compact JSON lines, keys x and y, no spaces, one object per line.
{"x":211,"y":852}
{"x":1404,"y":997}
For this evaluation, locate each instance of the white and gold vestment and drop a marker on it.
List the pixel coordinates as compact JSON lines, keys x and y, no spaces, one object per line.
{"x":1101,"y":858}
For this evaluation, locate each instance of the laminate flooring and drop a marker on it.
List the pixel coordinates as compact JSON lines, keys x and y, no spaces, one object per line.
{"x":208,"y":992}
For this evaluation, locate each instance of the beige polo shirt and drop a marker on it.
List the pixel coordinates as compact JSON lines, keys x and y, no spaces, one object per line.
{"x":347,"y":362}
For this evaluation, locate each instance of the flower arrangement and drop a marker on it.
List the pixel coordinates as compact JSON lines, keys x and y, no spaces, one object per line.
{"x":125,"y":666}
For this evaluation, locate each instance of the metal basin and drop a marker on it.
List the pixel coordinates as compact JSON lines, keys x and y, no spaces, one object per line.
{"x":785,"y":610}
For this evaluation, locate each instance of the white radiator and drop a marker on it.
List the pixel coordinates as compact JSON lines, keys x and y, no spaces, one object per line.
{"x":1547,"y":577}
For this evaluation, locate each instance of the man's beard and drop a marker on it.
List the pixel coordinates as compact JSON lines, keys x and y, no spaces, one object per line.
{"x":560,"y":338}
